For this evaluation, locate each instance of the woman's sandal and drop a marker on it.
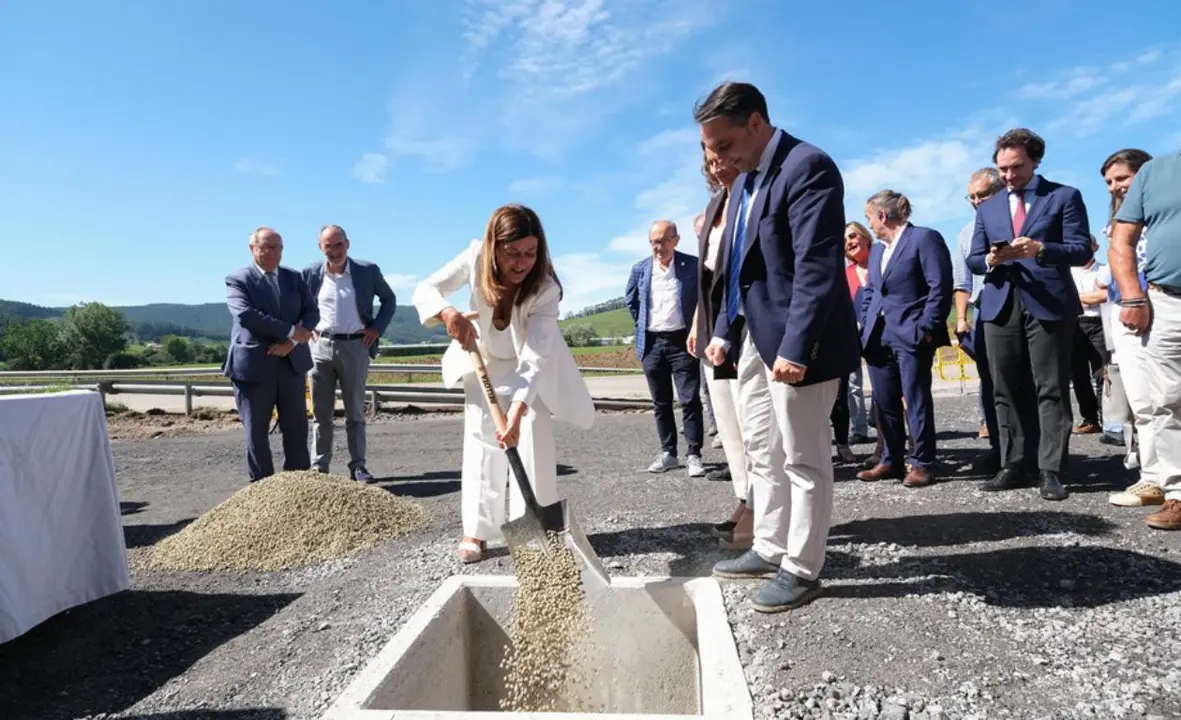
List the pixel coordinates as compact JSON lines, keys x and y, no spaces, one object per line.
{"x":470,"y":552}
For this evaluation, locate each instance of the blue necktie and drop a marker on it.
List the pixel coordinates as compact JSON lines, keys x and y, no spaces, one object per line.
{"x":737,"y":245}
{"x":273,"y":283}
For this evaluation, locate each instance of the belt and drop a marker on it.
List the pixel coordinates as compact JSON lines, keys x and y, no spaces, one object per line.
{"x":343,"y":336}
{"x":1166,"y":289}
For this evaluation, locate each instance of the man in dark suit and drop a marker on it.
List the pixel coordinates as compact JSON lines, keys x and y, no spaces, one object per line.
{"x":268,"y":357}
{"x":787,"y":319}
{"x":1024,"y":243}
{"x":661,"y":295}
{"x":344,"y":342}
{"x":905,"y":305}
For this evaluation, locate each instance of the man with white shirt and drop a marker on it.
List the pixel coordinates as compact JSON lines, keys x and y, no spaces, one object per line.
{"x":343,"y":344}
{"x":1089,"y":355}
{"x":661,"y":295}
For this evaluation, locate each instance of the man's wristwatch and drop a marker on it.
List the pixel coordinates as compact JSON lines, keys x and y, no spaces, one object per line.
{"x":1041,"y":254}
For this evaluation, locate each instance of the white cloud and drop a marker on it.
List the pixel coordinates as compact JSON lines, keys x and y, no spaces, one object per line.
{"x":534,"y":76}
{"x":932,"y":173}
{"x":1149,"y":57}
{"x":371,"y":168}
{"x":401,"y":281}
{"x":254,"y":166}
{"x":587,"y":279}
{"x":535,"y":186}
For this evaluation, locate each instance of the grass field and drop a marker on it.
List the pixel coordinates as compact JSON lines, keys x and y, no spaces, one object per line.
{"x":613,"y":323}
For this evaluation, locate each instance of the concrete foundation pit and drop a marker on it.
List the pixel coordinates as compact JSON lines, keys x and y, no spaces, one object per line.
{"x":658,"y":648}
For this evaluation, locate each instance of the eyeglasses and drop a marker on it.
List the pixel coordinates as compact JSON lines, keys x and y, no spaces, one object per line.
{"x":981,"y":197}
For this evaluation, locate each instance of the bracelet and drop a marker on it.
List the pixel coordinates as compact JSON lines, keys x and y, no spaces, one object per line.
{"x":1134,"y":302}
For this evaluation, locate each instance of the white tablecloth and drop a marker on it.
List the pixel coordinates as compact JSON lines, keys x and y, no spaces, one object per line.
{"x":61,"y":532}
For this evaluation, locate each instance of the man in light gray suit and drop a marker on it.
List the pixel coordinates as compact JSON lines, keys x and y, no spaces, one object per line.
{"x":268,"y":358}
{"x":344,"y":342}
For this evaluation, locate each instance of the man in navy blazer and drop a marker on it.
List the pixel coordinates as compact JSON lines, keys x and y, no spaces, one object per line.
{"x":1024,"y":243}
{"x":268,"y":357}
{"x":345,"y":340}
{"x":661,"y":296}
{"x":905,"y":304}
{"x":787,"y":319}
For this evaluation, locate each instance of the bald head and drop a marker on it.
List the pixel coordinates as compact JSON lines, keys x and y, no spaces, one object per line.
{"x":266,"y":246}
{"x":663,"y":238}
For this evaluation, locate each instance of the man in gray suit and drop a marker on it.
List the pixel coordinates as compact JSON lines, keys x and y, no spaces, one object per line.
{"x":344,"y":342}
{"x":268,"y":358}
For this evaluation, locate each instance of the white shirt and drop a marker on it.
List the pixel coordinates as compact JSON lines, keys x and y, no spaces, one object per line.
{"x":888,"y":249}
{"x":664,"y":299}
{"x":1086,"y":280}
{"x":712,"y":251}
{"x":337,"y":301}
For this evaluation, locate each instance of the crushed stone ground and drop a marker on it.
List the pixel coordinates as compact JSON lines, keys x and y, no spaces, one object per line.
{"x":941,"y":602}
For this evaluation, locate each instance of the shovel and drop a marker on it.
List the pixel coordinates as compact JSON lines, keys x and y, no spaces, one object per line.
{"x":532,"y":530}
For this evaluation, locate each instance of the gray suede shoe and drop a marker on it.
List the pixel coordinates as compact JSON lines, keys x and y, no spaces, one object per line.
{"x":786,"y":592}
{"x":747,"y":566}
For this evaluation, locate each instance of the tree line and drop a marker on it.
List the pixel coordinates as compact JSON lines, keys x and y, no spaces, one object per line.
{"x":93,"y":336}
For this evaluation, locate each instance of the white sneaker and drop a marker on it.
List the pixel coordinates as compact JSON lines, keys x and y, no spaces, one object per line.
{"x":696,"y":469}
{"x":667,"y":461}
{"x":1141,"y":494}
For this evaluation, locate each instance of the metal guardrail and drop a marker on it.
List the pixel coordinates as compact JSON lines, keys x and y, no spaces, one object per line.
{"x":174,"y":372}
{"x":378,"y":394}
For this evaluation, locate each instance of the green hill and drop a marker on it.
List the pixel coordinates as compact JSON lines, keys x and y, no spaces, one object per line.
{"x":612,"y":323}
{"x":212,"y":321}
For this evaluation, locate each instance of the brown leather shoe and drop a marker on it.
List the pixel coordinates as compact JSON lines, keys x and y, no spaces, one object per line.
{"x":880,"y":472}
{"x":1087,"y":429}
{"x":1167,"y":518}
{"x":918,"y":477}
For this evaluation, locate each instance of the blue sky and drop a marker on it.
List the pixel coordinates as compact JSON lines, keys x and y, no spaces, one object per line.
{"x":139,"y":148}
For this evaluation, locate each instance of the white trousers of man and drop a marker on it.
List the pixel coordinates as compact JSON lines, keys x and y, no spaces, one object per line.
{"x":723,"y":395}
{"x":1151,"y":370}
{"x":1132,"y":356}
{"x":486,"y":475}
{"x":788,"y":442}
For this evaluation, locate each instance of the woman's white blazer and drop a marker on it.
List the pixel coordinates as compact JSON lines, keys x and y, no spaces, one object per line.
{"x":545,"y":368}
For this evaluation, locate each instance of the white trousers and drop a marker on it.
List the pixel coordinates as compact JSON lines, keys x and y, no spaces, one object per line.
{"x":486,"y":475}
{"x":1131,"y":354}
{"x":1159,"y":362}
{"x":788,"y":442}
{"x":723,"y":395}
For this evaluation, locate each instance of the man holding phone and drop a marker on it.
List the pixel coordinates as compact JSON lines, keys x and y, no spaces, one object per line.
{"x":1024,"y":243}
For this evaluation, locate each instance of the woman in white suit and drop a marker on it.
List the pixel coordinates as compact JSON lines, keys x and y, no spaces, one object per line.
{"x":514,"y":324}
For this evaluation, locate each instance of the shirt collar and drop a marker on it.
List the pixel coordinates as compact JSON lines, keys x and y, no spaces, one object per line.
{"x":263,"y":272}
{"x":764,"y":165}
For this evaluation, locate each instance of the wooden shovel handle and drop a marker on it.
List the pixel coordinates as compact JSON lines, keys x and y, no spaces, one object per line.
{"x":498,"y":416}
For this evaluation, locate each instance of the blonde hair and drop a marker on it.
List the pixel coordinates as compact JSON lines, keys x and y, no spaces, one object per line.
{"x":510,"y":223}
{"x":860,"y":230}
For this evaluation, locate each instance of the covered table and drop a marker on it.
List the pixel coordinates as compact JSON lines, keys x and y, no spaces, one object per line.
{"x":61,"y":531}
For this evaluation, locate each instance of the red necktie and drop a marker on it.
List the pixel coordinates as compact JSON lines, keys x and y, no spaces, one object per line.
{"x":1019,"y":213}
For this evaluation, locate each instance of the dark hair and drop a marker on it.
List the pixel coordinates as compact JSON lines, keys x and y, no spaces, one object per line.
{"x":711,"y":182}
{"x":1131,"y":157}
{"x":1028,"y":140}
{"x":510,"y":223}
{"x":734,"y":101}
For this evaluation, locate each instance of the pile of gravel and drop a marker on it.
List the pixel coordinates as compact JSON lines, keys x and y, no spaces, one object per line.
{"x":551,"y":629}
{"x":286,"y":520}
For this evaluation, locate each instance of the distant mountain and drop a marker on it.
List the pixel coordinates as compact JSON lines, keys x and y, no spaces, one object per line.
{"x":212,"y":321}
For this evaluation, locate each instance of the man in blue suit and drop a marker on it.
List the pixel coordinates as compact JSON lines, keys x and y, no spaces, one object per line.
{"x":268,"y":357}
{"x":787,"y":320}
{"x":344,"y":342}
{"x":1024,"y":243}
{"x":661,"y":296}
{"x":905,"y":304}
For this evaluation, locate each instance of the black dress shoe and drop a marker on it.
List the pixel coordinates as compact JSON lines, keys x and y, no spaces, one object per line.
{"x":1009,"y":478}
{"x":720,"y":474}
{"x":1051,"y":487}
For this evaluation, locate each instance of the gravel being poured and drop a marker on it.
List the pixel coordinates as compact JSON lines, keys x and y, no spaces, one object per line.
{"x":287,"y":520}
{"x":542,"y":668}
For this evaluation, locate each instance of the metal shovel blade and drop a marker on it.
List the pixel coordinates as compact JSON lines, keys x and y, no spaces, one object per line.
{"x":553,"y":527}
